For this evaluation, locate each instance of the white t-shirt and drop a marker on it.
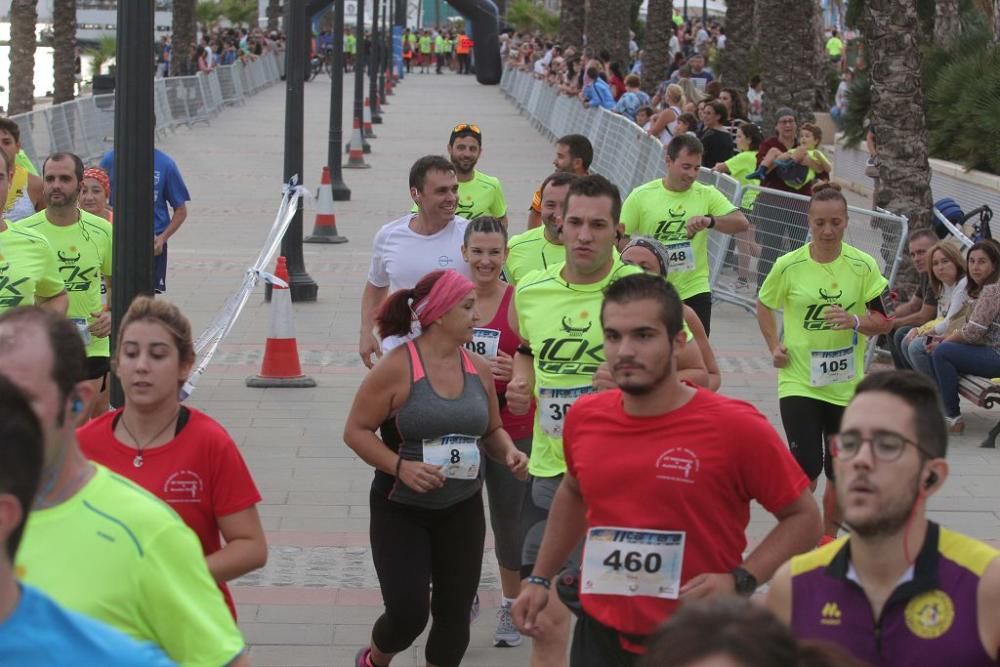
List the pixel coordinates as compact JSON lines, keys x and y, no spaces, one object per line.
{"x":401,"y":257}
{"x":675,"y":46}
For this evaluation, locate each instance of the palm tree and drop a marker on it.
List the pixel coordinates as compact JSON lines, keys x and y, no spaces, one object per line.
{"x":23,"y":15}
{"x":996,"y":21}
{"x":273,"y":14}
{"x":607,"y":29}
{"x":106,"y":49}
{"x":63,"y":50}
{"x":947,"y":25}
{"x":240,"y":12}
{"x":656,"y":54}
{"x":786,"y":41}
{"x":735,"y":58}
{"x":891,"y":30}
{"x":572,"y":19}
{"x":185,"y":32}
{"x":207,"y":13}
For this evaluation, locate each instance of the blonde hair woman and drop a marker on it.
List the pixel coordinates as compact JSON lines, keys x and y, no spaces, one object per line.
{"x":663,"y":124}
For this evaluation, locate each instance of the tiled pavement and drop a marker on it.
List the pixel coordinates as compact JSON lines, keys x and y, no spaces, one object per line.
{"x":315,"y":601}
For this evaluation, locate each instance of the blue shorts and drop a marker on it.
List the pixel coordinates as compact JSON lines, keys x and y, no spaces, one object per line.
{"x":160,"y":271}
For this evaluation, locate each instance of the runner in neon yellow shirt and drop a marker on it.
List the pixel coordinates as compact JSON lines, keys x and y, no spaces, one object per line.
{"x":478,"y":193}
{"x":832,"y":296}
{"x":677,"y":210}
{"x":425,"y":45}
{"x":541,"y":247}
{"x":82,"y":243}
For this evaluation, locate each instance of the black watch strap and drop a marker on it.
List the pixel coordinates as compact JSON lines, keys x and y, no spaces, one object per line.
{"x":746,"y":583}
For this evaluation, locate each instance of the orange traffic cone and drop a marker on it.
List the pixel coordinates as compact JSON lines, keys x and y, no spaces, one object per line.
{"x":389,"y":82}
{"x":355,"y":150}
{"x":281,"y":367}
{"x":367,"y":115}
{"x":325,"y":225}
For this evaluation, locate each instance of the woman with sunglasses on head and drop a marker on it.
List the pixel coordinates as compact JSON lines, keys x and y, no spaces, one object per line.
{"x":179,"y":454}
{"x":975,"y":348}
{"x":427,"y":524}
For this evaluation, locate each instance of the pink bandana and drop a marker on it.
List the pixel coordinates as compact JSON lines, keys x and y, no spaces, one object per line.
{"x":447,"y":292}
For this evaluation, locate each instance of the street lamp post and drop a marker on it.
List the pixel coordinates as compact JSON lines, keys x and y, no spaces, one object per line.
{"x":336,"y":130}
{"x":373,"y":99}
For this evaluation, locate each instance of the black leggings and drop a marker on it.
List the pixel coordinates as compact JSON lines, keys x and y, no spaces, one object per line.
{"x":809,"y":423}
{"x":701,"y":304}
{"x":413,"y":547}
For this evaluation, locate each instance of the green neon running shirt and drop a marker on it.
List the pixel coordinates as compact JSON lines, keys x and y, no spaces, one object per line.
{"x":27,"y":268}
{"x":561,"y":323}
{"x":804,"y":289}
{"x":83,"y":255}
{"x":481,"y":195}
{"x":119,"y":555}
{"x":739,"y":166}
{"x":652,"y":210}
{"x":531,"y":251}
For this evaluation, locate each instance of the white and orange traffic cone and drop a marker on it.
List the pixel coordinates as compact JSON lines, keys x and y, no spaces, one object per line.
{"x":281,"y":366}
{"x":325,"y":224}
{"x":389,"y":82}
{"x":355,"y":150}
{"x":367,"y":116}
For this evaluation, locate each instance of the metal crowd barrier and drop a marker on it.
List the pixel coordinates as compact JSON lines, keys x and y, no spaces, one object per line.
{"x":85,"y":126}
{"x":628,"y":156}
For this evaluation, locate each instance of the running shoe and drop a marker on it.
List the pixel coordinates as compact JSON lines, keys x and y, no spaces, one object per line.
{"x":474,"y":612}
{"x":506,"y":635}
{"x":956,"y":425}
{"x":741,"y":285}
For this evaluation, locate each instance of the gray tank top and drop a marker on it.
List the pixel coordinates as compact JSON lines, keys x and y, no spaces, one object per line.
{"x":443,"y":432}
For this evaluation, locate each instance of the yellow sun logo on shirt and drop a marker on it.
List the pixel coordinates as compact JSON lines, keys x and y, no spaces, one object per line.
{"x":930,"y":615}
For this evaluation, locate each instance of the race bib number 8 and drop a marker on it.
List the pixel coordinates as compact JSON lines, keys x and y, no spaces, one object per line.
{"x":681,"y":257}
{"x":485,"y":342}
{"x":457,"y":455}
{"x":554,"y":404}
{"x":622,"y":561}
{"x":831,"y":366}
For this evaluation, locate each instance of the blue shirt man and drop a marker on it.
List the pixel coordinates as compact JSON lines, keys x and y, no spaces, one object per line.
{"x":169,"y":193}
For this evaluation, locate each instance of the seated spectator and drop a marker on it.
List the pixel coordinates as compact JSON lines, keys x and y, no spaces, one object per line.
{"x":634,"y":98}
{"x":946,"y":278}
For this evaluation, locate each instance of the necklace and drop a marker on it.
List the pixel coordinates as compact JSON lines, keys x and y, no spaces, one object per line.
{"x":137,"y":461}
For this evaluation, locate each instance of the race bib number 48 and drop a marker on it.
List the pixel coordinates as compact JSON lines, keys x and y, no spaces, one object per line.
{"x":681,"y":257}
{"x":831,"y":366}
{"x":554,"y":404}
{"x":485,"y":342}
{"x":457,"y":455}
{"x":623,"y":561}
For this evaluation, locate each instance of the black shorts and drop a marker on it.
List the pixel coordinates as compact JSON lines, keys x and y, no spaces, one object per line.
{"x":539,"y":493}
{"x":97,"y":368}
{"x":809,"y":423}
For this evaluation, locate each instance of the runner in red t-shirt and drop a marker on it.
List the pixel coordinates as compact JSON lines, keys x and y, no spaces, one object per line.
{"x":179,"y":454}
{"x":660,"y":489}
{"x":485,"y":250}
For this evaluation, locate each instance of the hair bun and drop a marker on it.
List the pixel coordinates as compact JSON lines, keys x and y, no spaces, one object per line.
{"x":827,"y":185}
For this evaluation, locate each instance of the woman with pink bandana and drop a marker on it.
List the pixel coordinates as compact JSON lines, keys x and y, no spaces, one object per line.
{"x":435,"y":405}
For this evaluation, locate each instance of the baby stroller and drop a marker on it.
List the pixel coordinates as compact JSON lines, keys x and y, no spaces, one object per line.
{"x":969,"y":228}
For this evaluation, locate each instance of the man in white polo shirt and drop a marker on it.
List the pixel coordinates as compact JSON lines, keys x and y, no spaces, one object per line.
{"x":406,"y":249}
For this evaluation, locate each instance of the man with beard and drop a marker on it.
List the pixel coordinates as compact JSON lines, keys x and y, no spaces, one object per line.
{"x":541,"y":247}
{"x":82,"y":243}
{"x":574,"y":153}
{"x":899,"y":590}
{"x":664,"y":518}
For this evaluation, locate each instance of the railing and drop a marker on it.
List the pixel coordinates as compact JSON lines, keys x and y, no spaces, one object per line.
{"x":628,"y":156}
{"x":86,"y":126}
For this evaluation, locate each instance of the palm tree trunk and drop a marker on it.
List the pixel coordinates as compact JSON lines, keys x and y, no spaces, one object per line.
{"x":996,"y":21}
{"x":656,"y":54}
{"x":23,"y":15}
{"x":947,"y":26}
{"x":607,"y":29}
{"x":786,"y":41}
{"x":63,"y":45}
{"x":892,"y":36}
{"x":572,"y":19}
{"x":735,"y":58}
{"x":185,"y":32}
{"x":273,"y":14}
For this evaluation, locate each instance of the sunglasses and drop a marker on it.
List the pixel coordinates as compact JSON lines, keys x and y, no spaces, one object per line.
{"x":466,"y":127}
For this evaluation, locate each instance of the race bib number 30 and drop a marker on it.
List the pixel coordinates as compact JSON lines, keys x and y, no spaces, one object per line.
{"x":831,"y":366}
{"x":554,"y":404}
{"x":681,"y":257}
{"x":457,"y":455}
{"x":485,"y":342}
{"x":622,"y":561}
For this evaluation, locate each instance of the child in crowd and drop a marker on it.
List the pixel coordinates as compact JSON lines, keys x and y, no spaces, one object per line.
{"x":800,"y":166}
{"x":686,"y":124}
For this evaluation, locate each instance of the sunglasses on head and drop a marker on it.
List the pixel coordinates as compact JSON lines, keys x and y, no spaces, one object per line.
{"x":466,"y":127}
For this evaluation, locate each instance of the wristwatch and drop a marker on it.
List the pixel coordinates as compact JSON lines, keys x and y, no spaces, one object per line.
{"x":711,"y":221}
{"x":746,"y":583}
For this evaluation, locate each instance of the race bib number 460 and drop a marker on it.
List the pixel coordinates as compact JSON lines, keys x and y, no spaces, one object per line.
{"x":457,"y":455}
{"x":554,"y":405}
{"x":485,"y":342}
{"x":623,"y":561}
{"x":831,"y":366}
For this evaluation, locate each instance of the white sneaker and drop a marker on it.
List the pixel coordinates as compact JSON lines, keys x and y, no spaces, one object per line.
{"x":506,"y":635}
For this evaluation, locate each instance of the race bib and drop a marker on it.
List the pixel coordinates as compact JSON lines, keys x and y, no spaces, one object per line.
{"x":457,"y":455}
{"x":81,"y":328}
{"x":831,"y":366}
{"x":485,"y":342}
{"x":554,"y":404}
{"x":681,"y":257}
{"x":622,"y":561}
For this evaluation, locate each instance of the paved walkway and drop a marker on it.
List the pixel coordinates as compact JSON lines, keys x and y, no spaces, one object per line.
{"x":315,"y":601}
